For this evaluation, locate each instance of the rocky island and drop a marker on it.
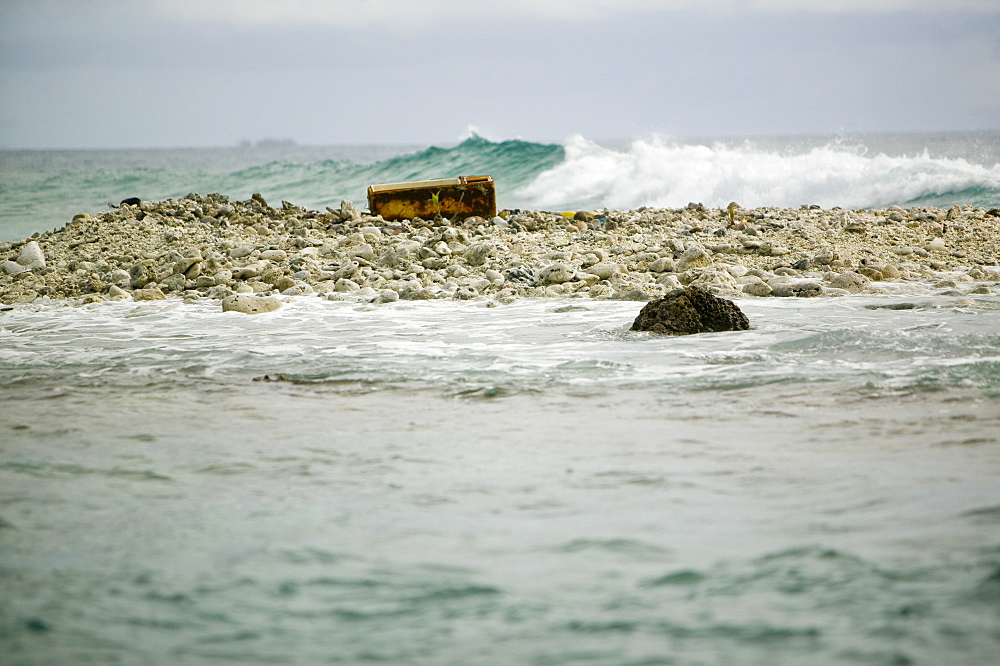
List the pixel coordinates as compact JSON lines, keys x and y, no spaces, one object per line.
{"x":211,"y":247}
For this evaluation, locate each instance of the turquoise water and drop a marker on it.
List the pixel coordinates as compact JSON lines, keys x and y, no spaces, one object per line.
{"x":42,"y":190}
{"x":446,"y":483}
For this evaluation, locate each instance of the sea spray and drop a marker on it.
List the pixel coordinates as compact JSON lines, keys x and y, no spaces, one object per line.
{"x":663,"y":173}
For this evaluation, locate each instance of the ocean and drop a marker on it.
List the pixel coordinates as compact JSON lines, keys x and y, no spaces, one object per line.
{"x":446,"y":482}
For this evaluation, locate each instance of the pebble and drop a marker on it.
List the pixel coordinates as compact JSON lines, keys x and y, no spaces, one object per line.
{"x":211,"y":247}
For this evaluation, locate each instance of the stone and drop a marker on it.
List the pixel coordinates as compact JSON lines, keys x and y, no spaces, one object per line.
{"x":477,"y":254}
{"x":348,"y":211}
{"x":116,"y":293}
{"x":661,"y":265}
{"x":153,"y":294}
{"x":851,"y":281}
{"x":273,"y":255}
{"x":343,"y":285}
{"x":31,"y":256}
{"x":521,"y":274}
{"x":694,"y":257}
{"x":249,"y":304}
{"x":388,"y":296}
{"x":12,"y":268}
{"x":797,"y":288}
{"x":364,"y":251}
{"x":604,"y":270}
{"x":556,"y":273}
{"x":241,"y":251}
{"x":690,"y":310}
{"x":715,"y":278}
{"x":754,"y":286}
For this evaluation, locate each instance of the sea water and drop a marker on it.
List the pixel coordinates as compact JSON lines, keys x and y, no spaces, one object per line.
{"x":446,"y":483}
{"x":443,"y":482}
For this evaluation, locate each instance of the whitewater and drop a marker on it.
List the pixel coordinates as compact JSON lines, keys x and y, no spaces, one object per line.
{"x":463,"y":482}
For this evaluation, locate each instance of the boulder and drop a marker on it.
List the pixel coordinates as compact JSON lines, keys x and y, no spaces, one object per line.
{"x":690,"y":310}
{"x":249,"y":304}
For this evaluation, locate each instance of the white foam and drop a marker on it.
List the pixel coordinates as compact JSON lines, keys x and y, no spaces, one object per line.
{"x":662,"y":173}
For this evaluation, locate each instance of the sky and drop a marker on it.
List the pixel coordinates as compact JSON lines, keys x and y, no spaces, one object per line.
{"x":188,"y":73}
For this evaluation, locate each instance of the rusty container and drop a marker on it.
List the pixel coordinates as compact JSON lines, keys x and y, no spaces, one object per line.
{"x":460,"y":198}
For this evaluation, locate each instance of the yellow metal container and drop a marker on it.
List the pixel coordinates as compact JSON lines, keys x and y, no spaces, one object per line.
{"x":460,"y":198}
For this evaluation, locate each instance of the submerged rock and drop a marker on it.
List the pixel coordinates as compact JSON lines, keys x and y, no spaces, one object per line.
{"x":690,"y":310}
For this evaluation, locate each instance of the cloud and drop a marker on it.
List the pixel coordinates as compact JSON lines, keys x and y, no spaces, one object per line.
{"x":417,"y":14}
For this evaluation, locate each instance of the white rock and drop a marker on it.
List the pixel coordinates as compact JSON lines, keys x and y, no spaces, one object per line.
{"x":365,"y":251}
{"x":248,"y":304}
{"x":153,"y":294}
{"x":12,"y":268}
{"x":604,"y":271}
{"x":851,"y":281}
{"x":662,"y":265}
{"x":344,"y":285}
{"x":116,"y":293}
{"x":715,"y":277}
{"x":694,"y":257}
{"x":348,"y":211}
{"x":274,"y":255}
{"x":670,"y":282}
{"x":241,"y":251}
{"x":31,"y":256}
{"x":754,"y":286}
{"x":477,"y":254}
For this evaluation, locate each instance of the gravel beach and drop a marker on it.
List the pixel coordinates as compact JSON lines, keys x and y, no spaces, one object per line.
{"x":239,"y":251}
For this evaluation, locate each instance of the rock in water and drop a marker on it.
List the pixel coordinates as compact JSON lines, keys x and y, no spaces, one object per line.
{"x":690,"y":310}
{"x":250,"y":304}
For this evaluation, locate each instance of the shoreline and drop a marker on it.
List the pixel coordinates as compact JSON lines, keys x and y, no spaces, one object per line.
{"x":210,"y":247}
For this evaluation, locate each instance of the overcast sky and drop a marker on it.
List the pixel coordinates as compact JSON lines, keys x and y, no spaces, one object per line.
{"x":167,"y":73}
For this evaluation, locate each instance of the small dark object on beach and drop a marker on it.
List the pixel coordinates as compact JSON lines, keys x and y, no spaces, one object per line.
{"x":690,"y":310}
{"x":131,"y":201}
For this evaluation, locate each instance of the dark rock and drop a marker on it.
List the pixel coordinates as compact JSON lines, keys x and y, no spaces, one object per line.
{"x":690,"y":310}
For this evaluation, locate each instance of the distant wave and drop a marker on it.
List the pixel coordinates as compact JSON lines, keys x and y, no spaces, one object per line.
{"x":661,"y":173}
{"x":511,"y":163}
{"x":649,"y":172}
